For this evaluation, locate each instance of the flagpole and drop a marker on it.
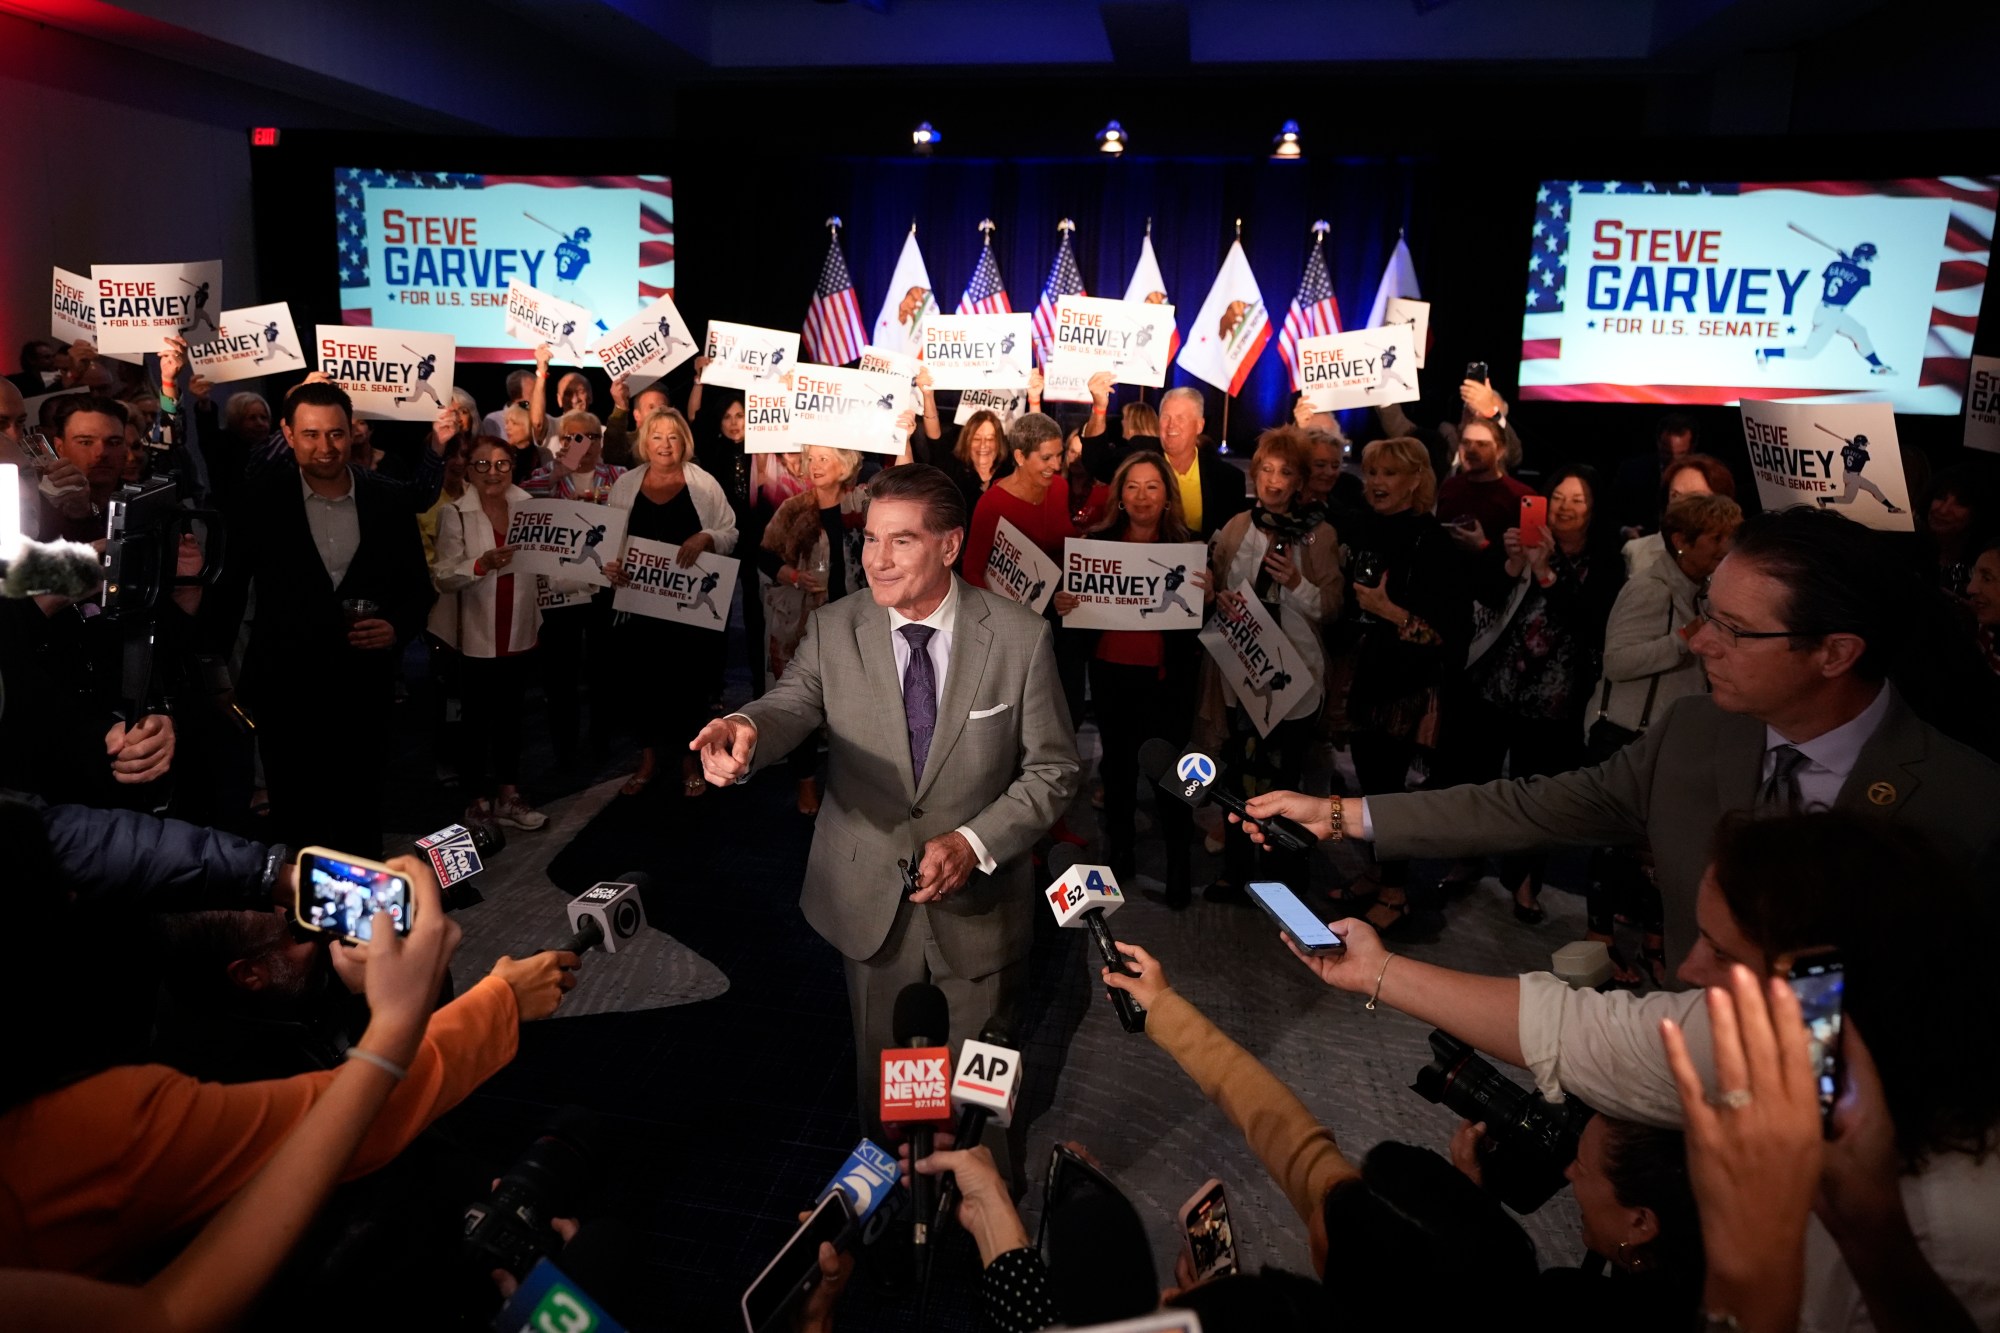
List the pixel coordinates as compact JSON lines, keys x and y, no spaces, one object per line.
{"x":1228,"y":395}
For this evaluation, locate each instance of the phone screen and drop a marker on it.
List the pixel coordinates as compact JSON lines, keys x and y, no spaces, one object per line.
{"x":1818,"y":980}
{"x":796,"y":1269}
{"x":1069,"y":1177}
{"x":342,"y":897}
{"x":1211,"y":1242}
{"x":1305,"y":928}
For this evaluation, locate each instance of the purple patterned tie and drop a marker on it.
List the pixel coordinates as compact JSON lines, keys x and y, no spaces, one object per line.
{"x":919,"y":695}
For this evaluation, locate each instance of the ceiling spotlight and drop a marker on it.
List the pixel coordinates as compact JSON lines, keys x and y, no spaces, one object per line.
{"x":923,"y":138}
{"x":1286,"y":145}
{"x":1111,"y":139}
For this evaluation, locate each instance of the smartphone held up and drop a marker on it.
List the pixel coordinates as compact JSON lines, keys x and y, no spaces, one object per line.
{"x":339,"y":895}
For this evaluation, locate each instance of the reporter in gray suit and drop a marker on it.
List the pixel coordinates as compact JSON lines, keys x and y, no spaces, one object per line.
{"x":1795,"y":630}
{"x":959,"y":780}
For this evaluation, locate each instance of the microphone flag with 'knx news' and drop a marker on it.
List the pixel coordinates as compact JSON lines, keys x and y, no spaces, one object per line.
{"x":915,"y":1086}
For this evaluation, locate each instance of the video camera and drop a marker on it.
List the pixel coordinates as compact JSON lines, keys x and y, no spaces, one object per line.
{"x":1530,"y":1141}
{"x":511,"y":1228}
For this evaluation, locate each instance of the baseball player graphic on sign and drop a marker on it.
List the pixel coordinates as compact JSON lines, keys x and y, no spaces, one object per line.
{"x":1275,"y":683}
{"x":591,"y":540}
{"x":1844,"y":279}
{"x":427,"y":365}
{"x":1388,"y":365}
{"x":565,"y":337}
{"x":272,"y":345}
{"x":1170,"y":594}
{"x":705,"y":594}
{"x":200,"y":315}
{"x":1854,"y":457}
{"x":667,"y":339}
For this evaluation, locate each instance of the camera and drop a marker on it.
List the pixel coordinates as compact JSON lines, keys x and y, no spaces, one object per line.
{"x":511,"y":1228}
{"x":1530,"y":1141}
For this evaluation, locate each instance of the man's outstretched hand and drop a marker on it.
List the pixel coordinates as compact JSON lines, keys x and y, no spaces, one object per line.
{"x":725,"y":746}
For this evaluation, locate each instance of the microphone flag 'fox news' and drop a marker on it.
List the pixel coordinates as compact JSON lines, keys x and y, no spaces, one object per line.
{"x":916,"y":1085}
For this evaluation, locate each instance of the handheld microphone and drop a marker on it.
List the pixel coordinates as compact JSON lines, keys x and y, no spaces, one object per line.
{"x":983,"y":1091}
{"x":608,"y":914}
{"x":916,"y":1089}
{"x":1194,"y":776}
{"x":1083,"y":896}
{"x":868,"y":1179}
{"x":453,"y":854}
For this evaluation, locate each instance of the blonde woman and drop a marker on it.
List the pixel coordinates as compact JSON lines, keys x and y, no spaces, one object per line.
{"x":672,"y":499}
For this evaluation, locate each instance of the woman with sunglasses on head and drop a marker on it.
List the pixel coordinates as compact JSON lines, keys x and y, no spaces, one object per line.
{"x":579,"y":628}
{"x":672,"y":499}
{"x":498,"y":621}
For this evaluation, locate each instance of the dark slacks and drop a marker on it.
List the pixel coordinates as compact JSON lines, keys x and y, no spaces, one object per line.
{"x":490,"y":739}
{"x":1258,"y":764}
{"x":1529,"y":747}
{"x":1134,"y":704}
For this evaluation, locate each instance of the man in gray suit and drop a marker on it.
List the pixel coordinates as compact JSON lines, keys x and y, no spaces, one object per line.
{"x":1797,"y":626}
{"x":949,"y":750}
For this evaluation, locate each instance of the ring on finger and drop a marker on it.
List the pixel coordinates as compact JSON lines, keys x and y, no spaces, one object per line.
{"x":1733,"y":1100}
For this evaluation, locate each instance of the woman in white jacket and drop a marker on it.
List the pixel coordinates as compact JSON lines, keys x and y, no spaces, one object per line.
{"x":498,"y":621}
{"x":1648,"y":665}
{"x":672,"y":500}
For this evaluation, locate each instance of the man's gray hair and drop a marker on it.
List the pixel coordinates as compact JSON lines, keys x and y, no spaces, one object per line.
{"x":1185,"y":393}
{"x":240,"y":403}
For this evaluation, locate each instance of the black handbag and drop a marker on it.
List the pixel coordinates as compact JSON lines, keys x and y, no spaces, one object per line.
{"x":1605,"y":737}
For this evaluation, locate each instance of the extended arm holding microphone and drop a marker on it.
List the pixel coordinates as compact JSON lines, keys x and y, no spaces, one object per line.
{"x":1083,"y":896}
{"x":984,"y":1089}
{"x":1195,"y":777}
{"x":607,"y":915}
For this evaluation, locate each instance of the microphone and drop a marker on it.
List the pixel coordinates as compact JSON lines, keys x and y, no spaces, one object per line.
{"x":1194,"y":776}
{"x":607,"y":914}
{"x":61,"y":569}
{"x":983,"y":1091}
{"x":1083,"y":896}
{"x":916,"y":1090}
{"x":868,"y":1179}
{"x":454,"y":856}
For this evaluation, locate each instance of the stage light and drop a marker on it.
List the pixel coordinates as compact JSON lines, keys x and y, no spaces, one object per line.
{"x":923,"y":138}
{"x":1286,"y":146}
{"x":1111,"y":139}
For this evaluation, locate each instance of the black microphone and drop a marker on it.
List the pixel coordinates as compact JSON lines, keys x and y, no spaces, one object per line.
{"x":1084,"y":895}
{"x":607,"y":914}
{"x":922,"y":1019}
{"x":1194,"y":776}
{"x":984,"y":1088}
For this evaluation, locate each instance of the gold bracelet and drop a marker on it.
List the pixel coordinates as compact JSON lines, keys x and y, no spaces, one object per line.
{"x":1336,"y":817}
{"x":1376,"y":998}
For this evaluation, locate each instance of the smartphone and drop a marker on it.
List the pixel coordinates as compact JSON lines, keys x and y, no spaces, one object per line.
{"x":1818,"y":978}
{"x":1070,"y":1176}
{"x":1534,"y":518}
{"x":1476,"y":370}
{"x":340,"y":895}
{"x":1211,"y":1243}
{"x":787,"y":1279}
{"x":1296,"y":919}
{"x":40,"y":452}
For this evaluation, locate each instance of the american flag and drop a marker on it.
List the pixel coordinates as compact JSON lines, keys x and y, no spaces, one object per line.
{"x":1065,"y":279}
{"x":834,"y":333}
{"x":1961,"y":256}
{"x":985,"y":295}
{"x":1314,"y":310}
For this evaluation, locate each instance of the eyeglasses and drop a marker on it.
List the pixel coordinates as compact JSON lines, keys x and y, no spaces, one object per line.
{"x":582,"y":437}
{"x":1735,"y":636}
{"x":493,"y":465}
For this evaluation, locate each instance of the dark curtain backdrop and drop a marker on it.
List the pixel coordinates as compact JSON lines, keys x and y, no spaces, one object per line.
{"x":1193,"y":207}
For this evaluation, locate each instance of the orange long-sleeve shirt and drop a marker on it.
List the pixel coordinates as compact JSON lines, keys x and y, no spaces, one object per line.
{"x":99,"y":1171}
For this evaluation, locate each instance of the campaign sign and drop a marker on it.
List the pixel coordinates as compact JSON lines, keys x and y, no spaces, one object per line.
{"x":1839,"y":456}
{"x":1417,"y":314}
{"x":767,"y":418}
{"x":1133,"y":585}
{"x":73,"y":309}
{"x":551,"y":597}
{"x":1067,"y":379}
{"x":1017,"y":569}
{"x":33,"y":406}
{"x":568,"y":539}
{"x":535,"y":317}
{"x":1982,"y":406}
{"x":904,"y":367}
{"x":1259,"y":664}
{"x":140,"y":304}
{"x":391,"y":374}
{"x":847,"y":409}
{"x":1007,"y":403}
{"x":1131,"y":339}
{"x":663,"y":588}
{"x":649,"y":344}
{"x":256,"y":340}
{"x":1359,"y":368}
{"x":979,"y":351}
{"x":739,"y":355}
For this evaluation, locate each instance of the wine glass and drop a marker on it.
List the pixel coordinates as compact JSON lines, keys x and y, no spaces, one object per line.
{"x":1368,"y":573}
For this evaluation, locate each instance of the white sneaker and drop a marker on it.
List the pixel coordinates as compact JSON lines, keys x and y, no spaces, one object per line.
{"x":1760,"y":356}
{"x":513,"y":812}
{"x":1881,"y":370}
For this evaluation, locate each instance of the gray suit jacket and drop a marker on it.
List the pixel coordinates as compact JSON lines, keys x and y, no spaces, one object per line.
{"x":1002,"y":762}
{"x":1694,"y":765}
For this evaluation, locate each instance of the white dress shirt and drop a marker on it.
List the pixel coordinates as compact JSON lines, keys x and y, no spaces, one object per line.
{"x":941,"y":620}
{"x":336,"y":527}
{"x":1830,"y":756}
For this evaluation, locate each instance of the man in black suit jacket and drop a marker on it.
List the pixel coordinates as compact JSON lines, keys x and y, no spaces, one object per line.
{"x":1218,"y":491}
{"x":312,"y":539}
{"x":39,"y":374}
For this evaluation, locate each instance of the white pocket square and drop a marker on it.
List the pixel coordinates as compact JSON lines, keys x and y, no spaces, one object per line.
{"x":978,"y":713}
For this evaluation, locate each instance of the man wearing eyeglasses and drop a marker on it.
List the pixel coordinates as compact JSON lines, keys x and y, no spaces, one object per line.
{"x":1796,"y":630}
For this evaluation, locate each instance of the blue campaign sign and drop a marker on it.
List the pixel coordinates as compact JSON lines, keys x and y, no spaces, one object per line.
{"x":1196,"y":767}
